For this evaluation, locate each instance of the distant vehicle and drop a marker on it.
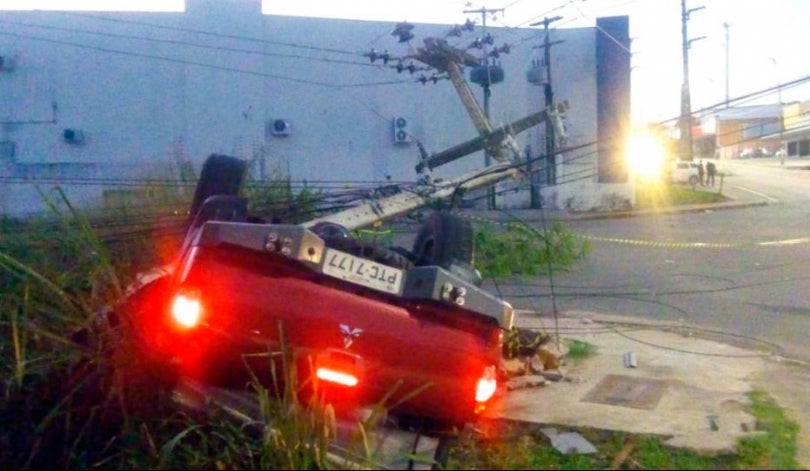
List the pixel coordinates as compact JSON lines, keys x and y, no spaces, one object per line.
{"x":755,"y":153}
{"x":685,"y":172}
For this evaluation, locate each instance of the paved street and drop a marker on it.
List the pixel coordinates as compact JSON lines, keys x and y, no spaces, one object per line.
{"x":740,"y":271}
{"x":739,"y":276}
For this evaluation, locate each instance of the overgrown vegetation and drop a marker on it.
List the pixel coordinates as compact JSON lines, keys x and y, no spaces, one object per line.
{"x":520,"y":249}
{"x":654,"y":196}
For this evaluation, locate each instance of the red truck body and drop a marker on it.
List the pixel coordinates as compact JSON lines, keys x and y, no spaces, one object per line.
{"x":419,"y":341}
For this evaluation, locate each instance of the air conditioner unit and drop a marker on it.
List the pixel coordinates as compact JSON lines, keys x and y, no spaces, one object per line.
{"x":280,"y":127}
{"x":73,"y":136}
{"x":8,"y":149}
{"x":7,"y":63}
{"x":402,"y":131}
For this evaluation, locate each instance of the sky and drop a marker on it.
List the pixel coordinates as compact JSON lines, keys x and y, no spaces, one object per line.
{"x":737,"y":47}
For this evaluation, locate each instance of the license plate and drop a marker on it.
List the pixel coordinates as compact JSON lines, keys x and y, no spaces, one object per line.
{"x":362,"y":272}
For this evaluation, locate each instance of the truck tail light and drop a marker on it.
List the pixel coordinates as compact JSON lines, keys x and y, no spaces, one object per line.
{"x":186,"y":309}
{"x":486,"y":386}
{"x":337,"y":376}
{"x":340,"y":367}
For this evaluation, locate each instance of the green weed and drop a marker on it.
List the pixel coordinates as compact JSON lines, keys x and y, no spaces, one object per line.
{"x":579,"y":350}
{"x":523,"y":250}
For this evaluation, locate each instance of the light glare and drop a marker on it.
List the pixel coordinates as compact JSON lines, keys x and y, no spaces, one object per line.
{"x":645,"y":156}
{"x":486,"y":386}
{"x":186,"y":310}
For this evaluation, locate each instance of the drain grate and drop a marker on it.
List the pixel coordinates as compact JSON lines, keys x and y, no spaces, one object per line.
{"x":627,"y":391}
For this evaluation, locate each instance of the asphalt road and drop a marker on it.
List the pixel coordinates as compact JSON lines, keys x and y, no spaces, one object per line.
{"x":744,"y":273}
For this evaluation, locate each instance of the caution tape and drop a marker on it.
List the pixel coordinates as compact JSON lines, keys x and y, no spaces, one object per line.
{"x":692,"y":245}
{"x":660,"y":244}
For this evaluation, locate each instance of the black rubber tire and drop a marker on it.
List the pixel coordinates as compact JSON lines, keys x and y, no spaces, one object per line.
{"x":444,"y":239}
{"x":447,"y":240}
{"x":220,"y":175}
{"x":368,"y":251}
{"x":326,"y":230}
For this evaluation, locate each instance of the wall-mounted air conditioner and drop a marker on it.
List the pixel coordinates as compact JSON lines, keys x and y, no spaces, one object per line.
{"x":402,"y":131}
{"x":73,"y":136}
{"x":7,"y":63}
{"x":280,"y":127}
{"x":8,"y":149}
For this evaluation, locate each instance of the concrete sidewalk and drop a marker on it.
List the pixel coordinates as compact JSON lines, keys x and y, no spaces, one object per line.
{"x":683,"y":383}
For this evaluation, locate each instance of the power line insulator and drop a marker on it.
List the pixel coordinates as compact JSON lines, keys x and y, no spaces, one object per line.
{"x":372,"y":55}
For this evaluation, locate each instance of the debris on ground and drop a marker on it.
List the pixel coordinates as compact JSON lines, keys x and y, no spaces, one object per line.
{"x":569,"y":442}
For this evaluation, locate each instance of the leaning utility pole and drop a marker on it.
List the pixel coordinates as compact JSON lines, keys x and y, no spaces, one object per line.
{"x":686,"y":103}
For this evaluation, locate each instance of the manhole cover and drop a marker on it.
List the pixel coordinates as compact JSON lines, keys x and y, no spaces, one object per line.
{"x":627,"y":391}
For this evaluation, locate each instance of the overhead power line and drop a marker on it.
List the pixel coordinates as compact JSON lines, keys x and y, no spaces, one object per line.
{"x":202,"y":64}
{"x":216,"y":35}
{"x":183,"y":43}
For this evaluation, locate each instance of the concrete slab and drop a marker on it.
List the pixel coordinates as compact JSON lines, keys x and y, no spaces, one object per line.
{"x":686,"y":388}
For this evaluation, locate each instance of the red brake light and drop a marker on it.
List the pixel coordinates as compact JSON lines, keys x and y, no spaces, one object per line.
{"x":187,"y":308}
{"x":336,"y":376}
{"x":486,"y":386}
{"x":340,"y":367}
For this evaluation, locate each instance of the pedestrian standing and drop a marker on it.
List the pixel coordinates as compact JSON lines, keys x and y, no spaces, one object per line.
{"x":701,"y":171}
{"x":711,"y":171}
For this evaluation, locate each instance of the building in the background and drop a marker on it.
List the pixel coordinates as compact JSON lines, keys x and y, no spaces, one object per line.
{"x":755,"y":131}
{"x":105,"y":104}
{"x":794,"y":139}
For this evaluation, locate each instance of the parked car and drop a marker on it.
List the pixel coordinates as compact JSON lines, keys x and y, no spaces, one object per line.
{"x":755,"y":153}
{"x":685,"y":173}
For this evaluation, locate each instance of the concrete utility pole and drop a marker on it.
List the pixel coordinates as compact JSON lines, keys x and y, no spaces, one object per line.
{"x":485,"y":84}
{"x":686,"y":103}
{"x":551,"y":161}
{"x":726,"y":26}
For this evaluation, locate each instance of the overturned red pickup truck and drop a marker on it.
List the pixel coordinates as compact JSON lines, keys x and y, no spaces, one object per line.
{"x":408,"y":329}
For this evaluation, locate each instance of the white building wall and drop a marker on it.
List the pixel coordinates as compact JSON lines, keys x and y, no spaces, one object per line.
{"x":150,"y":90}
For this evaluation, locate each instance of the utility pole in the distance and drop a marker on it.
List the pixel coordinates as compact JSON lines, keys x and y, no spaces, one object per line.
{"x":550,"y":148}
{"x":687,"y":152}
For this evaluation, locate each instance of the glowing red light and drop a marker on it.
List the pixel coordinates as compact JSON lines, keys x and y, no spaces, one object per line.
{"x":486,"y":386}
{"x":187,"y":309}
{"x":335,"y":376}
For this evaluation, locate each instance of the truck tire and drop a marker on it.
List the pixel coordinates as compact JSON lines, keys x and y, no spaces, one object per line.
{"x":446,"y":240}
{"x":220,"y":175}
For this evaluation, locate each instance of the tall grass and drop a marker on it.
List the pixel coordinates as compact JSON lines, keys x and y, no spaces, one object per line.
{"x":79,"y":391}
